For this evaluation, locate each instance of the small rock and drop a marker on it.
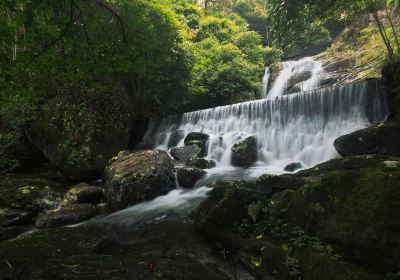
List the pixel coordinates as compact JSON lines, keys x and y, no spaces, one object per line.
{"x":291,"y":167}
{"x":201,"y":163}
{"x":188,"y":176}
{"x":71,"y":214}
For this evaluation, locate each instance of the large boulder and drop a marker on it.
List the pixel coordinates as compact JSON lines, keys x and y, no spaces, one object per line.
{"x":244,"y":152}
{"x":352,"y":203}
{"x":189,"y":176}
{"x":380,"y":139}
{"x":80,"y":129}
{"x":71,"y":214}
{"x":186,"y":152}
{"x":337,"y":221}
{"x":131,"y":178}
{"x":175,"y":138}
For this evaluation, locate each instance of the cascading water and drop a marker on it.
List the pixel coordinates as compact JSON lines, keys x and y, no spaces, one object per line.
{"x":298,"y":127}
{"x":265,"y":82}
{"x":291,"y":70}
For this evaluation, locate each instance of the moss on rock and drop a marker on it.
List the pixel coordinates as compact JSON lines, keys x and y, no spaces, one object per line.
{"x":82,"y":128}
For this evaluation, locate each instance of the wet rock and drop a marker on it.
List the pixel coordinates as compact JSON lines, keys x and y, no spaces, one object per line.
{"x":298,"y":78}
{"x":16,"y":217}
{"x":379,"y":139}
{"x":80,"y":194}
{"x":201,"y":163}
{"x":291,"y":167}
{"x":188,"y":176}
{"x":138,"y":176}
{"x":294,"y":89}
{"x":198,"y":136}
{"x":244,"y":152}
{"x":71,"y":214}
{"x":82,"y":128}
{"x":186,"y":152}
{"x":199,"y":139}
{"x":175,"y":138}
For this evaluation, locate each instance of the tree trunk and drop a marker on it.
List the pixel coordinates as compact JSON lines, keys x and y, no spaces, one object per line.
{"x":393,"y":28}
{"x":384,"y":36}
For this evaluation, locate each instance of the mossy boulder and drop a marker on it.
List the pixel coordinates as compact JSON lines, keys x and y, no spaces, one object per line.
{"x":134,"y":177}
{"x":338,"y":220}
{"x":379,"y":139}
{"x":80,"y":129}
{"x":356,"y":209}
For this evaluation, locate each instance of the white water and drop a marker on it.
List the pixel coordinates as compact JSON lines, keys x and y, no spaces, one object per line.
{"x":265,"y":82}
{"x":291,"y":128}
{"x":291,"y":69}
{"x":298,"y":127}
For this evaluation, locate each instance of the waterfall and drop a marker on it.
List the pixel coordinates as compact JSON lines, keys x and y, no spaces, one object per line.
{"x":265,"y":82}
{"x":304,"y":74}
{"x":299,"y":127}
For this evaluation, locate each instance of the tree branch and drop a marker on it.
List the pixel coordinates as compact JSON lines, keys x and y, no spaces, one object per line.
{"x":117,"y":17}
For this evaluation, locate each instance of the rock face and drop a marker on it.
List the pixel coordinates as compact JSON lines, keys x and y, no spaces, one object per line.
{"x":188,"y":176}
{"x":244,"y":152}
{"x":175,"y":138}
{"x":380,"y":139}
{"x":186,"y":152}
{"x":83,"y":193}
{"x":348,"y":205}
{"x":71,"y":214}
{"x":82,"y":128}
{"x":131,"y":178}
{"x":291,"y":167}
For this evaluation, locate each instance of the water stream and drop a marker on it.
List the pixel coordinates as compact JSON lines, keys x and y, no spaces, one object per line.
{"x":299,"y":127}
